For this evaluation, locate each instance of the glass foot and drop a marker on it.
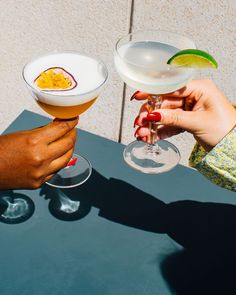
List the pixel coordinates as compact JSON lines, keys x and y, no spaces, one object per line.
{"x":158,"y":158}
{"x":73,"y":175}
{"x":18,"y":208}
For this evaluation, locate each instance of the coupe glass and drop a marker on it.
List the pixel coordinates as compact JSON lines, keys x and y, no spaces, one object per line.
{"x":141,"y":61}
{"x":90,"y":75}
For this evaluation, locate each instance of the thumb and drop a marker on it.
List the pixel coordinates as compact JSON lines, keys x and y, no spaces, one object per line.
{"x":187,"y":120}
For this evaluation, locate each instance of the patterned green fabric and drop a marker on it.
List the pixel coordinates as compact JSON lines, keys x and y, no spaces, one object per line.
{"x":219,"y":165}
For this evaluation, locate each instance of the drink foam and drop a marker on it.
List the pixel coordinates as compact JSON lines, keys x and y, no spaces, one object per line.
{"x":87,"y":71}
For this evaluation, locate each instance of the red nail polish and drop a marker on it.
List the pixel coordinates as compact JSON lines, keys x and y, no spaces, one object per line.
{"x":145,"y":120}
{"x":154,"y":116}
{"x":134,"y":95}
{"x":72,"y":162}
{"x":136,"y":121}
{"x":136,"y":132}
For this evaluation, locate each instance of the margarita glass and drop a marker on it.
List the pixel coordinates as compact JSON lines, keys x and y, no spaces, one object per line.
{"x":141,"y":61}
{"x":86,"y":76}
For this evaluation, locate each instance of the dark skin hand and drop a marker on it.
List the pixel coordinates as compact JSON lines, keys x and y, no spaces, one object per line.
{"x":29,"y":158}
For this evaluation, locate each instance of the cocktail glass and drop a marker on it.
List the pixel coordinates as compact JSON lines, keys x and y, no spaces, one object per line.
{"x":90,"y":75}
{"x":141,"y":61}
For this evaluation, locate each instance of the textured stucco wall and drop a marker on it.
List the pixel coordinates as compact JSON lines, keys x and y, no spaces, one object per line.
{"x":32,"y":27}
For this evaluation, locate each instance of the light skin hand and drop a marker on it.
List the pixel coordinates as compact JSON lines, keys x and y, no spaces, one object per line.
{"x":29,"y":158}
{"x":199,"y":108}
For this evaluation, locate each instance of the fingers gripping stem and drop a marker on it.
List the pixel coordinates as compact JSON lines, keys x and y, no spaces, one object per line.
{"x":154,"y":103}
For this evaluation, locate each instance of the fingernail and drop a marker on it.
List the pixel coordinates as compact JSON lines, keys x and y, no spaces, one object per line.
{"x":134,"y":95}
{"x":154,"y":116}
{"x":145,"y":120}
{"x":136,"y":132}
{"x":136,"y":121}
{"x":72,"y":162}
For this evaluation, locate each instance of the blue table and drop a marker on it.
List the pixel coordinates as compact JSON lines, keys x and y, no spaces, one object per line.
{"x":138,"y":234}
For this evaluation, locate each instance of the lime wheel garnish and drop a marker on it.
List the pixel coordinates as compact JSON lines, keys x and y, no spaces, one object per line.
{"x":193,"y":58}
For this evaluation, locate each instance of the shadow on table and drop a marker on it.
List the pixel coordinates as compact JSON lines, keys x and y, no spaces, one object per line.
{"x":62,"y":207}
{"x":15,"y":207}
{"x":206,"y":265}
{"x":207,"y":231}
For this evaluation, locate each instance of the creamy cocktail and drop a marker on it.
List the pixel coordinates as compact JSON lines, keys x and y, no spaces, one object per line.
{"x":66,"y":84}
{"x":85,"y":77}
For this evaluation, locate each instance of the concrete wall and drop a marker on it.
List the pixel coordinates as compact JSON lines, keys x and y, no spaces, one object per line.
{"x":31,"y":27}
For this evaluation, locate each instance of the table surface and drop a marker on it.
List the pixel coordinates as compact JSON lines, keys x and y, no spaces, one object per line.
{"x":128,"y":240}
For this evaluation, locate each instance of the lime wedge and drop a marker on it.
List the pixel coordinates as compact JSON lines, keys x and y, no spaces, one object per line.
{"x":193,"y":58}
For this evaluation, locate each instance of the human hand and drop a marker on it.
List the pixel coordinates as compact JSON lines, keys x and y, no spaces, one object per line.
{"x":199,"y":108}
{"x":29,"y":158}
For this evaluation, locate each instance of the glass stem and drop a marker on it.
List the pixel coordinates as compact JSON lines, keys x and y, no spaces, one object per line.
{"x":154,"y":103}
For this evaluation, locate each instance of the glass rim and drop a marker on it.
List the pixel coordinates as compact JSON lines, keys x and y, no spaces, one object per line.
{"x":147,"y":31}
{"x":76,"y":184}
{"x":60,"y":52}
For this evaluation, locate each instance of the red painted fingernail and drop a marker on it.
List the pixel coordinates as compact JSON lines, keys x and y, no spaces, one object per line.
{"x":145,"y":120}
{"x":154,"y":116}
{"x":136,"y":121}
{"x":72,"y":162}
{"x":134,"y":95}
{"x":136,"y":132}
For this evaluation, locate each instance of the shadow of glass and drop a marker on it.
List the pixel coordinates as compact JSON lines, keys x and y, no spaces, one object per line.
{"x":206,"y":231}
{"x":117,"y":201}
{"x":15,"y":207}
{"x":62,"y":207}
{"x":111,"y":196}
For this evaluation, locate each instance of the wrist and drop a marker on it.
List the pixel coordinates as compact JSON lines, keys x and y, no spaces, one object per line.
{"x":210,"y":143}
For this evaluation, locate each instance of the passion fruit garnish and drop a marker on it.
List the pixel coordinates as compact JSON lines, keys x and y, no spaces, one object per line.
{"x":55,"y":79}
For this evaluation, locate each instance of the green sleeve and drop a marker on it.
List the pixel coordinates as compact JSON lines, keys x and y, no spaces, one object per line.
{"x":219,"y":165}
